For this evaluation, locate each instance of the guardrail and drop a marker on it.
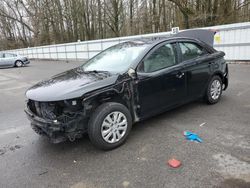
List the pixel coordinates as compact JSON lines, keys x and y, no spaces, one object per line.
{"x":233,"y":39}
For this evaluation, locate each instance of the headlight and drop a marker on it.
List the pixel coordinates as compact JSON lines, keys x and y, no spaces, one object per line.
{"x":73,"y":104}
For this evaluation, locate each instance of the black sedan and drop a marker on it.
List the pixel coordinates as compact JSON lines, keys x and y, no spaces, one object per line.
{"x":124,"y":84}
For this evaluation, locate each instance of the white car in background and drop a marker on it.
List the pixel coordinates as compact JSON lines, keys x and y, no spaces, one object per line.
{"x":12,"y":60}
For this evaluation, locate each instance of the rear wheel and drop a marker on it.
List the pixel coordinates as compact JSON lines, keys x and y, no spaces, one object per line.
{"x":18,"y":63}
{"x":214,"y":90}
{"x":109,"y":125}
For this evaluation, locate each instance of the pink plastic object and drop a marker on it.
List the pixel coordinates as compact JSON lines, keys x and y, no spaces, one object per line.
{"x":174,"y":163}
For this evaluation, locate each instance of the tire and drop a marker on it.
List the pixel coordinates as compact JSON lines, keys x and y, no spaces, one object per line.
{"x":214,"y":90}
{"x":18,"y":63}
{"x":103,"y":132}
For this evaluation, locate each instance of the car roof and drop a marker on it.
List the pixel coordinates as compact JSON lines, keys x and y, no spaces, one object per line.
{"x":156,"y":40}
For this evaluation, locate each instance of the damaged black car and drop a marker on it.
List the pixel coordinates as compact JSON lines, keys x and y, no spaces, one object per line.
{"x":125,"y":84}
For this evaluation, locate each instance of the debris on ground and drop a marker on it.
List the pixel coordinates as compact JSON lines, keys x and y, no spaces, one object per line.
{"x":2,"y":151}
{"x":13,"y":148}
{"x":192,"y":136}
{"x":202,"y":124}
{"x":174,"y":163}
{"x":125,"y":183}
{"x":74,"y":161}
{"x":42,"y":173}
{"x":9,"y":148}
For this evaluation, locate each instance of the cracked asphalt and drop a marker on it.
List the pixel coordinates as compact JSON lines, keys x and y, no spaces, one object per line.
{"x":222,"y":160}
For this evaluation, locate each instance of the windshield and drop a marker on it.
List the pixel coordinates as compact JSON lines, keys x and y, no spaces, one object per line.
{"x":117,"y":58}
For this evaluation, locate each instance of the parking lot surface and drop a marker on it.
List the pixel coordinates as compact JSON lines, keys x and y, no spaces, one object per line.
{"x":222,"y":160}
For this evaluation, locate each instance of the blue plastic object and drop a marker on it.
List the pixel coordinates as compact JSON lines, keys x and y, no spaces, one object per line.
{"x":192,"y":136}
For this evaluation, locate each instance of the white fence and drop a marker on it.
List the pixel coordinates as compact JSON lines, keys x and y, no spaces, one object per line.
{"x":233,"y":39}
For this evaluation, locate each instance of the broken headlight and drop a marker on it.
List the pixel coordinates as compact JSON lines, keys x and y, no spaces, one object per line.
{"x":73,"y":105}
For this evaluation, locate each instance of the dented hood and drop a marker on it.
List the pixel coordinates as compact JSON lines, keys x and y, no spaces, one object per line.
{"x":70,"y":84}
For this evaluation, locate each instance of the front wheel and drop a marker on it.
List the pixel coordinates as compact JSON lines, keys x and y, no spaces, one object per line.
{"x":18,"y":63}
{"x":109,"y":125}
{"x":214,"y":90}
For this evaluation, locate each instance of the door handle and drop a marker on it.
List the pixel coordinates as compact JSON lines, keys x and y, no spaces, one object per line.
{"x":180,"y":74}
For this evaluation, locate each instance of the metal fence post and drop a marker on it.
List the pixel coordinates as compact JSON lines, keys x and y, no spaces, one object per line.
{"x":50,"y":56}
{"x":56,"y":53}
{"x":36,"y":53}
{"x":65,"y":50}
{"x":32,"y":52}
{"x":43,"y":51}
{"x":76,"y":51}
{"x":88,"y":49}
{"x":101,"y":45}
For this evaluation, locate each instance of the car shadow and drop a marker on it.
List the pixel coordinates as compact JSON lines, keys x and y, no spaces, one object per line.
{"x":177,"y":112}
{"x":85,"y":142}
{"x":11,"y":67}
{"x":83,"y":145}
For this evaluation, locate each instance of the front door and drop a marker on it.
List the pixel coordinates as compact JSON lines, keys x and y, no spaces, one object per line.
{"x":161,"y":81}
{"x":9,"y":59}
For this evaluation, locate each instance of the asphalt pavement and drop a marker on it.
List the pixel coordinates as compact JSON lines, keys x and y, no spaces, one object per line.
{"x":222,"y":160}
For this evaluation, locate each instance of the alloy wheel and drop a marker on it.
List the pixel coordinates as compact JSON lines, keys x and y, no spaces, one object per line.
{"x":114,"y":127}
{"x":19,"y":64}
{"x":215,"y":89}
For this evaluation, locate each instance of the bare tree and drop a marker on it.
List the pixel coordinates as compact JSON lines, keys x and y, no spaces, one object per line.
{"x":26,"y":23}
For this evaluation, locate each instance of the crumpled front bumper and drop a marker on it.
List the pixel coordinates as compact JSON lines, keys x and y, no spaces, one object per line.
{"x":51,"y":128}
{"x":26,"y":62}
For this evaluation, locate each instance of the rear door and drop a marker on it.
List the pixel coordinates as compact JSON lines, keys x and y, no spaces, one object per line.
{"x":195,"y":61}
{"x":9,"y":59}
{"x":161,"y":80}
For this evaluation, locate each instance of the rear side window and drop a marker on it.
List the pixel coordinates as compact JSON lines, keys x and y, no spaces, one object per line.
{"x":190,"y":50}
{"x":9,"y":55}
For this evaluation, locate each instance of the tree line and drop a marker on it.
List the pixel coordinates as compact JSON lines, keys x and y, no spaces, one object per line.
{"x":26,"y":23}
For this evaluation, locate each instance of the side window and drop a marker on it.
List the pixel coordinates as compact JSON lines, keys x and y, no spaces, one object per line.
{"x":9,"y":55}
{"x":1,"y":55}
{"x":161,"y":58}
{"x":190,"y":50}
